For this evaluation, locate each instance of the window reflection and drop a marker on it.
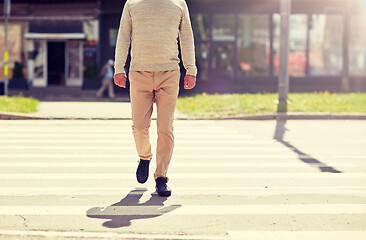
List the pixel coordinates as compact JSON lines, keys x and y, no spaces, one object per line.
{"x":73,"y":54}
{"x":202,"y":54}
{"x":113,"y":32}
{"x":39,"y":58}
{"x":201,"y":26}
{"x":297,"y":44}
{"x":223,"y":27}
{"x":222,"y":61}
{"x":357,"y":46}
{"x":253,"y":45}
{"x":325,"y":44}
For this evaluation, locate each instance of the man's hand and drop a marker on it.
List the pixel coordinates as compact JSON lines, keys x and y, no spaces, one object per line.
{"x":120,"y":79}
{"x":189,"y":82}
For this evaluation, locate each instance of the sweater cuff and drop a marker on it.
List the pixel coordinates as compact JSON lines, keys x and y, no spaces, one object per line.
{"x":192,"y":71}
{"x":118,"y":70}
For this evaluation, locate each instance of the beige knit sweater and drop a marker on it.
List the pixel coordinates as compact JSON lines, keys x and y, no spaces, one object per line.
{"x":152,"y":27}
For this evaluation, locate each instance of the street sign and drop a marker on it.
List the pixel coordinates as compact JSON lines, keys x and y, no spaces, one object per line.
{"x":6,"y":59}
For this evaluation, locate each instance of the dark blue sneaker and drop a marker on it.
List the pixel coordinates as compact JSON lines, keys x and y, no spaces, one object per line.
{"x":161,"y":187}
{"x":142,"y":173}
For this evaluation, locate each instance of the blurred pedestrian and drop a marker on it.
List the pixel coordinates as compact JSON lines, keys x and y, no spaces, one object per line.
{"x":152,"y":28}
{"x":106,"y":74}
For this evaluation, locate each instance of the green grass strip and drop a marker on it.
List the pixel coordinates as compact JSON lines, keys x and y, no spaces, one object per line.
{"x":219,"y":105}
{"x":18,"y":104}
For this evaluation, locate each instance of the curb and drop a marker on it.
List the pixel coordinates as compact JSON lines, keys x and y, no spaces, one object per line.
{"x":17,"y":117}
{"x":276,"y":116}
{"x":289,"y":116}
{"x":25,"y":117}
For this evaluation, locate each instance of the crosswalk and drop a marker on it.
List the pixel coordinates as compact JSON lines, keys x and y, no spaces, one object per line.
{"x":230,"y":180}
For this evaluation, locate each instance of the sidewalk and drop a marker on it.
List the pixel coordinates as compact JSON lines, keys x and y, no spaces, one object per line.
{"x":122,"y":111}
{"x":80,"y":110}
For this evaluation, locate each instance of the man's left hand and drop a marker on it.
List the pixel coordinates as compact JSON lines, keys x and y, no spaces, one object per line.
{"x":189,"y":82}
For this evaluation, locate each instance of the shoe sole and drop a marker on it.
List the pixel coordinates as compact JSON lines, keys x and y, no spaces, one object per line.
{"x":164,"y":194}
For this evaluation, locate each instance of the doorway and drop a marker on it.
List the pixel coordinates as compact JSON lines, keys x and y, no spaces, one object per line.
{"x":56,"y":63}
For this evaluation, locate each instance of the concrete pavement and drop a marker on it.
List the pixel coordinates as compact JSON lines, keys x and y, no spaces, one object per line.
{"x":230,"y":180}
{"x":83,"y":110}
{"x":122,"y":110}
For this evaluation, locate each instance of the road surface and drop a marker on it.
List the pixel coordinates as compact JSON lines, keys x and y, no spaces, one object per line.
{"x":233,"y":179}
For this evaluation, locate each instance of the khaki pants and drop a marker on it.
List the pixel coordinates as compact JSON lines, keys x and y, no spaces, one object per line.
{"x":106,"y":83}
{"x":145,"y":86}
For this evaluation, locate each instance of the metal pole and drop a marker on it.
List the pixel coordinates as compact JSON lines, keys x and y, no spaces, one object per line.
{"x":346,"y":32}
{"x":6,"y":54}
{"x":283,"y":78}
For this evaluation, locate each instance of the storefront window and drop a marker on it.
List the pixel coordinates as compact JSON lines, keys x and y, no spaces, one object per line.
{"x":90,"y":49}
{"x":39,"y":58}
{"x":222,"y":61}
{"x":223,"y":27}
{"x":113,"y":32}
{"x":297,"y":44}
{"x":357,"y":46}
{"x":201,"y":26}
{"x":91,"y":30}
{"x":73,"y":59}
{"x":325,"y":55}
{"x":202,"y":54}
{"x":253,"y":45}
{"x":15,"y":46}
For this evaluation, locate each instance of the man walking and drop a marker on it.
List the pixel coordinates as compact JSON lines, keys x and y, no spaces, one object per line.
{"x":107,"y":75}
{"x":153,"y":27}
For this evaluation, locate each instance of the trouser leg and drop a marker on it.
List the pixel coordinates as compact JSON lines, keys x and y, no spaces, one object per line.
{"x":142,"y":99}
{"x":166,"y":93}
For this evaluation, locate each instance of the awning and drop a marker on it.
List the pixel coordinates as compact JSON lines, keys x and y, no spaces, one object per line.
{"x":55,"y":30}
{"x":56,"y":36}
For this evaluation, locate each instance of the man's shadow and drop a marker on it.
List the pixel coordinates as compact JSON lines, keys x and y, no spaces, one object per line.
{"x":279,"y":136}
{"x":129,"y":208}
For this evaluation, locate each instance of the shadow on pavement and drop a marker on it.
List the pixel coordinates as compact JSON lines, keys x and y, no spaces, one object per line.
{"x":279,"y":135}
{"x":123,"y":212}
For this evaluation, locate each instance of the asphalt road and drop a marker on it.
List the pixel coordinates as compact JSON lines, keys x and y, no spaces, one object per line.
{"x":230,"y":180}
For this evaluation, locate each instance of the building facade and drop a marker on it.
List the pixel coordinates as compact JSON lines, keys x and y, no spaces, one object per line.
{"x":53,"y":40}
{"x":237,"y":42}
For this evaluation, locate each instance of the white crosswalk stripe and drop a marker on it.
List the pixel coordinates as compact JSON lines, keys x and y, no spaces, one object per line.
{"x":180,"y":164}
{"x":238,"y":191}
{"x":298,"y":235}
{"x":117,"y":176}
{"x":105,"y":235}
{"x":64,"y":176}
{"x":188,"y":210}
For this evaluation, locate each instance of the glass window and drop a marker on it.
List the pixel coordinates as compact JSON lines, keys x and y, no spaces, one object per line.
{"x":325,"y":54}
{"x":357,"y":46}
{"x":202,"y":54}
{"x":73,"y":54}
{"x":253,"y":45}
{"x":297,"y":44}
{"x":201,"y":26}
{"x":223,"y":27}
{"x":222,"y":61}
{"x":39,"y":58}
{"x":113,"y":32}
{"x":15,"y":41}
{"x":91,"y":30}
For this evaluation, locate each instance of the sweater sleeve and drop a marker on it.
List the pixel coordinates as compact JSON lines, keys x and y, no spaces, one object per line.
{"x":123,"y":40}
{"x":187,"y":42}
